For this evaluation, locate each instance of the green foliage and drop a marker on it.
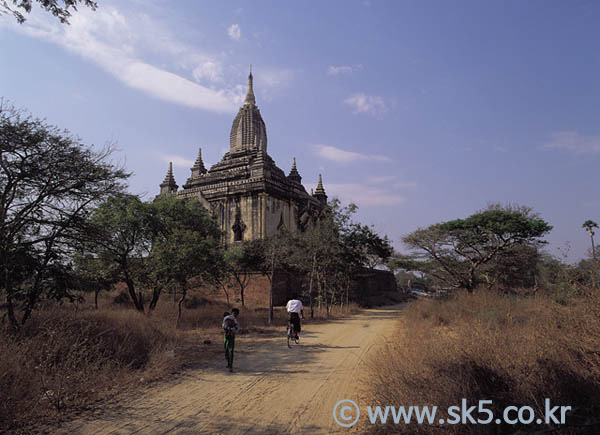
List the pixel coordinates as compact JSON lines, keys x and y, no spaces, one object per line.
{"x":49,"y":183}
{"x":455,"y":252}
{"x":123,"y":229}
{"x":240,"y":261}
{"x":186,"y":242}
{"x":589,"y":226}
{"x":157,"y":244}
{"x":55,"y":7}
{"x":332,"y":249}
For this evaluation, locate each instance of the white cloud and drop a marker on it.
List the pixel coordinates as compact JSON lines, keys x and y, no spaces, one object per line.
{"x":209,"y":71}
{"x":343,"y":156}
{"x":342,"y":69}
{"x":235,"y":32}
{"x":177,"y":160}
{"x":574,"y":143}
{"x":362,"y":103}
{"x":270,"y":82}
{"x":360,"y":194}
{"x":117,"y":44}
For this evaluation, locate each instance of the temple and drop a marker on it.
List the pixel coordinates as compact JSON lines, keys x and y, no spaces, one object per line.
{"x":249,"y":196}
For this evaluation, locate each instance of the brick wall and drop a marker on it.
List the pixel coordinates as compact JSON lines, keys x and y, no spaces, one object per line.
{"x":369,"y":286}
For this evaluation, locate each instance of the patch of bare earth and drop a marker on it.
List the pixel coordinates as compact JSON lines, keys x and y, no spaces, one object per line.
{"x":272,"y":390}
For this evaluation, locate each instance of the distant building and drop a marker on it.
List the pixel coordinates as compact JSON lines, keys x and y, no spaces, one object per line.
{"x":246,"y":192}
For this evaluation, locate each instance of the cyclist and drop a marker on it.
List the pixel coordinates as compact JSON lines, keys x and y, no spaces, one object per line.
{"x":294,"y":307}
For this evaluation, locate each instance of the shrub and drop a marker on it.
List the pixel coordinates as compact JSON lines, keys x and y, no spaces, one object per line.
{"x":66,"y":360}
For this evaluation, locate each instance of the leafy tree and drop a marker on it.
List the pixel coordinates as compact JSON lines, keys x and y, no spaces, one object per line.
{"x":59,"y":9}
{"x":271,"y":255}
{"x":94,"y":274}
{"x":409,"y":271}
{"x":316,"y":249}
{"x":365,"y":247}
{"x":240,"y":261}
{"x":460,"y":248}
{"x":512,"y":268}
{"x":49,"y":182}
{"x":333,"y":249}
{"x":589,"y":226}
{"x":186,"y":245}
{"x":122,"y":237}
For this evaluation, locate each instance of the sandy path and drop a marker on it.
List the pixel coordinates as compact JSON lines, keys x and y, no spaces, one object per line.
{"x":274,"y":389}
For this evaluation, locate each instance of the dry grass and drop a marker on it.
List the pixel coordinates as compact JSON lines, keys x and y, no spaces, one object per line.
{"x":69,"y":358}
{"x":512,"y":350}
{"x":64,"y":360}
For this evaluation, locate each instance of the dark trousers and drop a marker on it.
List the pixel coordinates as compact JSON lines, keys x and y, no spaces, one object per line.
{"x":295,"y":320}
{"x":229,"y":345}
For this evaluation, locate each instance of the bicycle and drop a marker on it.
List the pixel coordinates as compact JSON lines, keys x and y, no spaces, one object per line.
{"x":292,"y":335}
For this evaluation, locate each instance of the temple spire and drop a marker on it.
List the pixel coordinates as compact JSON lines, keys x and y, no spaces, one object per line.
{"x":169,"y":185}
{"x":198,"y":168}
{"x":320,"y":189}
{"x":294,"y":175}
{"x":320,"y":192}
{"x":250,"y":99}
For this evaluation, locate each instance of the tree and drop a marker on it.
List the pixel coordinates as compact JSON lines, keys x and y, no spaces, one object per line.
{"x":333,"y":249}
{"x":57,"y":8}
{"x":186,"y":244}
{"x":122,"y":236}
{"x":94,"y":274}
{"x":460,"y":248}
{"x":240,"y":261}
{"x":49,"y":182}
{"x":271,"y":256}
{"x":514,"y":267}
{"x":589,"y":226}
{"x":365,"y":246}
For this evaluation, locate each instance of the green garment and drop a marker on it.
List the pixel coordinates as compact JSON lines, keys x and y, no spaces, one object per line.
{"x":229,"y":345}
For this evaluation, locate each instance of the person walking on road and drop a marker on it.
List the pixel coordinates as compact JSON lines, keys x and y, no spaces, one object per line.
{"x":231,"y":327}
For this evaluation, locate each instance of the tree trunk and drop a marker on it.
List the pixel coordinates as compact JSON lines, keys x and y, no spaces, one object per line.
{"x":347,"y":296}
{"x":593,"y":248}
{"x":183,"y":295}
{"x":326,"y":298}
{"x":226,"y":294}
{"x":319,"y":292}
{"x":471,"y":282}
{"x":242,"y":285}
{"x":96,"y":298}
{"x":131,"y":288}
{"x":271,"y":287}
{"x":14,"y":324}
{"x":155,"y":297}
{"x":310,"y":287}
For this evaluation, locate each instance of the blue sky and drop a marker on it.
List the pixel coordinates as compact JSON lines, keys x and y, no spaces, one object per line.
{"x":417,"y":111}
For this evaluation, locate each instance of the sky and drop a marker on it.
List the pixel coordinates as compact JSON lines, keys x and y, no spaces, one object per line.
{"x":417,"y":111}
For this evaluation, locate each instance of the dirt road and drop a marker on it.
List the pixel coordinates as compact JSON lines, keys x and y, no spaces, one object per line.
{"x":273,"y":390}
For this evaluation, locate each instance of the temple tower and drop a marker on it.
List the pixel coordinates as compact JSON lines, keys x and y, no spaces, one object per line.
{"x":249,"y":196}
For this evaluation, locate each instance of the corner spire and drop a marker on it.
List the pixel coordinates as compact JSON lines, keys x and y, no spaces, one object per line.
{"x":169,"y":186}
{"x":320,"y":190}
{"x":198,"y":168}
{"x":294,"y":175}
{"x":250,"y":98}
